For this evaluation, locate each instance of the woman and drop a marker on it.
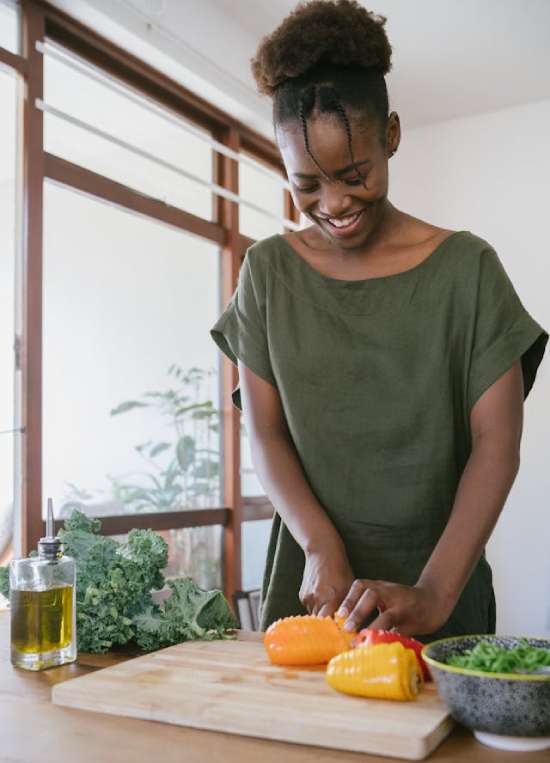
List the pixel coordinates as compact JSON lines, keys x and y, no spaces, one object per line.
{"x":383,"y":361}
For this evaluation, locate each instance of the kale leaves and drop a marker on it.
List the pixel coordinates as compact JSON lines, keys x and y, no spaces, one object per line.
{"x":114,"y":581}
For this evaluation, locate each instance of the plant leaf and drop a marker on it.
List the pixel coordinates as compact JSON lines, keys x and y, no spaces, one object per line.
{"x":193,"y":407}
{"x":128,"y":406}
{"x":185,"y":452}
{"x":205,"y":469}
{"x":159,"y":448}
{"x":203,"y":414}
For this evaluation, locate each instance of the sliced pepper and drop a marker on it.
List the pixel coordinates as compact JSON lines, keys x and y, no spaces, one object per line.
{"x":383,"y":671}
{"x":372,"y":636}
{"x":306,"y":640}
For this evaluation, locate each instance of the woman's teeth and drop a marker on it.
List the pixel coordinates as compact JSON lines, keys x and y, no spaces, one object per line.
{"x":343,"y":222}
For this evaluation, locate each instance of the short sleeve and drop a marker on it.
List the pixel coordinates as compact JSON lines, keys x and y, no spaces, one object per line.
{"x":241,"y":332}
{"x":504,"y":331}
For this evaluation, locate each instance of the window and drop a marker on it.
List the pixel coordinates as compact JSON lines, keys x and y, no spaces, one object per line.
{"x":255,"y":538}
{"x":131,"y":420}
{"x":255,"y":534}
{"x":8,"y":146}
{"x":195,"y":552}
{"x":250,"y":485}
{"x":9,"y":26}
{"x":260,"y":185}
{"x":127,"y":247}
{"x":119,"y":121}
{"x":130,"y":396}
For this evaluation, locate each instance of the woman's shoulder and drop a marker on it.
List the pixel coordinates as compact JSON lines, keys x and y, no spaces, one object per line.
{"x":420,"y":235}
{"x":473,"y":245}
{"x":472,"y":254}
{"x":261,"y":254}
{"x":466,"y":246}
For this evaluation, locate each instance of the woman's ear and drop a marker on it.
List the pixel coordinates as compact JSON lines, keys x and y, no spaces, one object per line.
{"x":393,"y":133}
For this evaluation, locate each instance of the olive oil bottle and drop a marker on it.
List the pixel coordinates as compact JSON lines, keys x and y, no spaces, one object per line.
{"x":42,"y":604}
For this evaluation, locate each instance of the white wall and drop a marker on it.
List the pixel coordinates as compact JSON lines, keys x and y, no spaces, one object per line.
{"x":489,"y":174}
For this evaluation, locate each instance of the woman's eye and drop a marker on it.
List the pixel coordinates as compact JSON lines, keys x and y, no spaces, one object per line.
{"x":312,"y":188}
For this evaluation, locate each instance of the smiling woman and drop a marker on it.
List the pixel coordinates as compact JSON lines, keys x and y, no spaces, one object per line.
{"x":344,"y":94}
{"x":382,"y":360}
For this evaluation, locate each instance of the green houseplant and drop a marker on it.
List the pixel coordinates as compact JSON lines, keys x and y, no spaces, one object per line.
{"x":180,"y":472}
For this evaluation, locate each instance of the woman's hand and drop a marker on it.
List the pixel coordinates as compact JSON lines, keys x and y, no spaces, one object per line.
{"x":326,"y":580}
{"x":412,"y":610}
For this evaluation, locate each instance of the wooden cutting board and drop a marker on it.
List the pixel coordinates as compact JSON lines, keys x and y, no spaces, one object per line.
{"x":230,"y":686}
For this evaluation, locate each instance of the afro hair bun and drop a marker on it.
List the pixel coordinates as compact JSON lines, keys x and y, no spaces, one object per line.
{"x":338,"y":32}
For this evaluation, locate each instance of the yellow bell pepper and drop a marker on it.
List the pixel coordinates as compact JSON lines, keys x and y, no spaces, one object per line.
{"x":382,"y":671}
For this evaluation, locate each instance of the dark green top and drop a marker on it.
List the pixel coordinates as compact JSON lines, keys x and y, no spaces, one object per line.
{"x":377,"y":378}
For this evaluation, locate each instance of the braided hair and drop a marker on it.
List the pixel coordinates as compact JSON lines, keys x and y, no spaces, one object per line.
{"x":326,"y":56}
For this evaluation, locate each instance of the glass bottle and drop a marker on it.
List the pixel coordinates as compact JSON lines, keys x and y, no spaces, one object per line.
{"x":43,"y":606}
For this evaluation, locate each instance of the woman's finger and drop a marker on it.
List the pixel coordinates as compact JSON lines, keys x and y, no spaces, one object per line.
{"x":354,"y":594}
{"x":307,"y":601}
{"x":317,"y":603}
{"x":327,"y":610}
{"x":385,"y":621}
{"x":366,"y":604}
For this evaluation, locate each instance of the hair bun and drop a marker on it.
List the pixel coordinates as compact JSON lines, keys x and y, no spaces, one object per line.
{"x":338,"y":32}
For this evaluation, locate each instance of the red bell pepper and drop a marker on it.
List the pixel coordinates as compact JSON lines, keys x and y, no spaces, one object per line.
{"x":369,"y":636}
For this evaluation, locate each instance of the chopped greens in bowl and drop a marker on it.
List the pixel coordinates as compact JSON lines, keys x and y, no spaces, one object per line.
{"x":489,"y":657}
{"x":495,"y":685}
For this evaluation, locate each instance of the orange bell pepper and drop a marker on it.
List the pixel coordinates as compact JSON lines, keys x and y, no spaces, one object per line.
{"x":306,"y":640}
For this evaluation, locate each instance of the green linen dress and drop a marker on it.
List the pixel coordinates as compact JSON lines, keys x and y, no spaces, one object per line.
{"x":377,"y":379}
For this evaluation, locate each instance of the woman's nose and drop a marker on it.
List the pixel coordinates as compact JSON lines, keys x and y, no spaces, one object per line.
{"x":334,"y":200}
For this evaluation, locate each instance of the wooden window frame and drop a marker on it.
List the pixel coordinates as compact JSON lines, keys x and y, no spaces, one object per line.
{"x":39,"y":21}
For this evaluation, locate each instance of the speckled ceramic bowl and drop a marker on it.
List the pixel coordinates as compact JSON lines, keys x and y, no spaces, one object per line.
{"x":506,"y":710}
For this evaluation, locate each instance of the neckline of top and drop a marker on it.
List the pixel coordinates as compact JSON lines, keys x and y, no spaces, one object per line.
{"x":342,"y":281}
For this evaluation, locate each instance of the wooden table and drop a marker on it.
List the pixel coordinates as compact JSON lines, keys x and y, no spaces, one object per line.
{"x":32,"y":729}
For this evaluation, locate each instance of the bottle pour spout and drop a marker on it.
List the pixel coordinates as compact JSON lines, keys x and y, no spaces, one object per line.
{"x":50,"y":547}
{"x":49,"y":520}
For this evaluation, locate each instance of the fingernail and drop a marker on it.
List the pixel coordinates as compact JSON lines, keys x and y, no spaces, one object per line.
{"x":342,"y":612}
{"x":348,"y":625}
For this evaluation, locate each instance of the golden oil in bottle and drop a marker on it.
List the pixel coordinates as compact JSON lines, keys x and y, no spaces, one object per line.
{"x":42,"y":604}
{"x":42,"y":621}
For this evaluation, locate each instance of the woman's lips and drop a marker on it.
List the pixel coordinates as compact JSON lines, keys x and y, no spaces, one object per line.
{"x":347,"y":230}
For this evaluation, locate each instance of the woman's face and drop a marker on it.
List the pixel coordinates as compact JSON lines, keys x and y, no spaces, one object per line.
{"x":329,"y":202}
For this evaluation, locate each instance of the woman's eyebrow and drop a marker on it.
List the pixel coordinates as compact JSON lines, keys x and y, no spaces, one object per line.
{"x":338,"y":172}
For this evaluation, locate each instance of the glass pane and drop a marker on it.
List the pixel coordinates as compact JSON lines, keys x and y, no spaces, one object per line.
{"x":9,"y":26}
{"x":250,"y":484}
{"x":8,"y":150}
{"x":131,"y":420}
{"x":133,"y":122}
{"x":194,"y":552}
{"x":265,"y":192}
{"x":255,"y":537}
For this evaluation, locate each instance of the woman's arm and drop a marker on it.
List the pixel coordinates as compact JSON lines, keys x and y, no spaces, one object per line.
{"x":327,"y":575}
{"x":496,"y":424}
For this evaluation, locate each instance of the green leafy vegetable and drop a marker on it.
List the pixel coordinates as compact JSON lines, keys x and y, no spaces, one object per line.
{"x":489,"y":657}
{"x":4,"y":582}
{"x":113,"y":592}
{"x":189,"y":613}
